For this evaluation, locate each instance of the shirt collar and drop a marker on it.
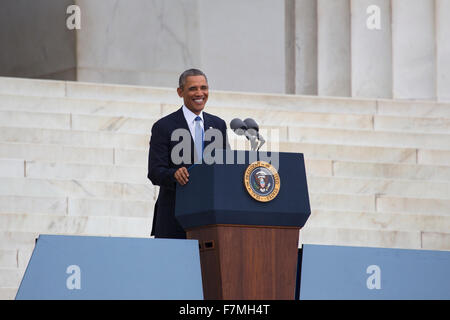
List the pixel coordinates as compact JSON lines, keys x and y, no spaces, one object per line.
{"x":190,"y":116}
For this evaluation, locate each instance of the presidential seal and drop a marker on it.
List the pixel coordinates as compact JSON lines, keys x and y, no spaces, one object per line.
{"x":262,"y":181}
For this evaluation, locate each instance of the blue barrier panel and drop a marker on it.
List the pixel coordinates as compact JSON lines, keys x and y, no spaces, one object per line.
{"x":336,"y":272}
{"x":80,"y":267}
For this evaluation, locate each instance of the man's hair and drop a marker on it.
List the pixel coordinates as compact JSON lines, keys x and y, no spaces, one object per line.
{"x":189,"y":73}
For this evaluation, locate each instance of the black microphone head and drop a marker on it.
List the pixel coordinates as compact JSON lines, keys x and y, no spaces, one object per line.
{"x":251,"y":124}
{"x":238,"y":126}
{"x":252,"y":127}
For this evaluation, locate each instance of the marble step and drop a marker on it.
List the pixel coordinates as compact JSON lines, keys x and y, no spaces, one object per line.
{"x":64,"y":105}
{"x":251,"y":100}
{"x":63,"y":113}
{"x":378,"y":221}
{"x":61,"y":204}
{"x":49,"y":179}
{"x":409,"y":124}
{"x":110,"y":92}
{"x":47,"y":187}
{"x":100,"y":139}
{"x":74,"y":138}
{"x":67,"y":225}
{"x":138,"y":226}
{"x":135,"y":133}
{"x":139,"y":157}
{"x":75,"y":122}
{"x":365,"y":194}
{"x":106,"y":139}
{"x":59,"y":153}
{"x":131,"y":181}
{"x":8,"y":258}
{"x":32,"y":87}
{"x":12,"y":168}
{"x":11,"y":277}
{"x":12,"y":240}
{"x":420,"y":206}
{"x":15,"y":257}
{"x":368,"y":154}
{"x":86,"y":172}
{"x":136,"y":173}
{"x":71,"y":206}
{"x":418,"y":109}
{"x":35,"y":120}
{"x":8,"y":293}
{"x":369,"y":138}
{"x":291,"y":118}
{"x":392,"y":171}
{"x":74,"y":119}
{"x":367,"y":186}
{"x":375,"y":238}
{"x":49,"y":197}
{"x":379,"y":203}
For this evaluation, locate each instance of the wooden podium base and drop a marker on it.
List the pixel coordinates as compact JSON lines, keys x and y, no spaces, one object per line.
{"x":247,"y":262}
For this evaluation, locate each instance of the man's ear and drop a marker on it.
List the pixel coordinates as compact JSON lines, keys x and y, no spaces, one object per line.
{"x":180,"y":92}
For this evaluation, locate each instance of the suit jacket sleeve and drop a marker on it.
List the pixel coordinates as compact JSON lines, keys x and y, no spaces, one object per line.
{"x":160,"y":167}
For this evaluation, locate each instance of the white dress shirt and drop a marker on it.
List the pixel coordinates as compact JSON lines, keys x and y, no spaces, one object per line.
{"x":190,"y":119}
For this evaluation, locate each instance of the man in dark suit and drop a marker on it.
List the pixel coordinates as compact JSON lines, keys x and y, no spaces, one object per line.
{"x":164,"y":166}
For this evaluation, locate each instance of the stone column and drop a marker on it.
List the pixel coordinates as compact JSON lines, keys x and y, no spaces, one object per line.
{"x":371,"y":49}
{"x":414,"y":59}
{"x":289,"y":45}
{"x":334,"y":61}
{"x":243,"y":44}
{"x":443,"y":49}
{"x":305,"y":47}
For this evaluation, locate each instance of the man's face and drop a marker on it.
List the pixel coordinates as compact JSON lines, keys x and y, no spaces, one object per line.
{"x":194,"y":93}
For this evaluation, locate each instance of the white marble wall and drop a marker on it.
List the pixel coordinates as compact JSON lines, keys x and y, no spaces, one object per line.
{"x":137,"y":41}
{"x":414,"y":56}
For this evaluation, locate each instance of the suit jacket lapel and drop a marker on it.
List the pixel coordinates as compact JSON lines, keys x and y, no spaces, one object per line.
{"x":182,"y":124}
{"x":181,"y":121}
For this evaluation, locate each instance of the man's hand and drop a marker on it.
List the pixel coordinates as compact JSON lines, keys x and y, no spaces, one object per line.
{"x":182,"y":176}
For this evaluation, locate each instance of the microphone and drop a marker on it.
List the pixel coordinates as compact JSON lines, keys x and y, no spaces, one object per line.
{"x":238,"y":126}
{"x":253,"y":130}
{"x":250,"y":129}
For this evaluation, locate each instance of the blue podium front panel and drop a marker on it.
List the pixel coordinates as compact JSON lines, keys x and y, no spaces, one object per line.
{"x":336,"y":272}
{"x":80,"y":267}
{"x":225,"y":199}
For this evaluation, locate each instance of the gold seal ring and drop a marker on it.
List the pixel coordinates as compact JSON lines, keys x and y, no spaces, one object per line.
{"x":262,"y":181}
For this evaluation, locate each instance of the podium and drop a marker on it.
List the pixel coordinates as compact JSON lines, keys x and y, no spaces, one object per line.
{"x":248,"y":247}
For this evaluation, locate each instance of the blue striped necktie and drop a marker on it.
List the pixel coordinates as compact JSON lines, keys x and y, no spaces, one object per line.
{"x":198,"y":140}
